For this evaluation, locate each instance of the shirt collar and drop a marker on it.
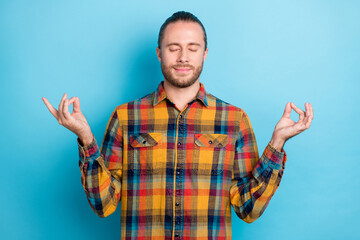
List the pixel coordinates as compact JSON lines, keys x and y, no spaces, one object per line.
{"x":160,"y":94}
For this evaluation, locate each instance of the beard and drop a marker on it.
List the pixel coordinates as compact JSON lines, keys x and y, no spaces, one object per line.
{"x":181,"y":81}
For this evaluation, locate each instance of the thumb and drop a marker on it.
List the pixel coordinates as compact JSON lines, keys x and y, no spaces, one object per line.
{"x":287,"y":110}
{"x":76,"y":106}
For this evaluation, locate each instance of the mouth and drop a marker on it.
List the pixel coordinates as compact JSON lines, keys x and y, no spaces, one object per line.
{"x":182,"y":70}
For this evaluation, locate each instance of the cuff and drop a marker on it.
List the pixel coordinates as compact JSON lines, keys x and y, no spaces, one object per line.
{"x":278,"y":159}
{"x":88,"y":152}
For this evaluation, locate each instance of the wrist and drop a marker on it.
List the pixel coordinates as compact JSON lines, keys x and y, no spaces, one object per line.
{"x":277,"y":143}
{"x":86,"y":138}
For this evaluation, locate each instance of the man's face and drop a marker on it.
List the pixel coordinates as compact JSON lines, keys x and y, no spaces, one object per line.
{"x":182,"y":53}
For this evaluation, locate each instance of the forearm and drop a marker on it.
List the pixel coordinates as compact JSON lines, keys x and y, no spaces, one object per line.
{"x":85,"y":138}
{"x":101,"y":188}
{"x":277,"y":142}
{"x":250,"y":195}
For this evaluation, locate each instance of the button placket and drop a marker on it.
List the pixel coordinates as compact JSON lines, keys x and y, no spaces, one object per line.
{"x":180,"y":164}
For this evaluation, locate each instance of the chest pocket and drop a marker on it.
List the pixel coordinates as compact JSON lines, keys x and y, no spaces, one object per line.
{"x":146,"y":153}
{"x":210,"y":153}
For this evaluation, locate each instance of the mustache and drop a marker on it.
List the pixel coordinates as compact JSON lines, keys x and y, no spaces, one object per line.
{"x":183,"y":66}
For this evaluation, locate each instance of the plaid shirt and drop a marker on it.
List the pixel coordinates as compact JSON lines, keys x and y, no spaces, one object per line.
{"x":178,"y":172}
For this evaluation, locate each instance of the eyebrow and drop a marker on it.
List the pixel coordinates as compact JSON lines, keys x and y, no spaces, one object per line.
{"x":177,"y":44}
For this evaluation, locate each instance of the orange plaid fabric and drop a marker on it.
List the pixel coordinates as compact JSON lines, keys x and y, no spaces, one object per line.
{"x":177,"y":173}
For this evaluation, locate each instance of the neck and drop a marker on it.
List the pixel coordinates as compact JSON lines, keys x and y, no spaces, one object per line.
{"x":181,"y":96}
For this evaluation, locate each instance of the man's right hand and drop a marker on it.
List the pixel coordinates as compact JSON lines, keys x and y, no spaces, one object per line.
{"x":75,"y":122}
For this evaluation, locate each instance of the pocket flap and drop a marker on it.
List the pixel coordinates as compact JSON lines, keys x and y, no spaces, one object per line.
{"x":211,"y":140}
{"x":145,"y":139}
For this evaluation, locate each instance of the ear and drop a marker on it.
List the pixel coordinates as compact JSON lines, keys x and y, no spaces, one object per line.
{"x":205,"y":54}
{"x":158,"y":53}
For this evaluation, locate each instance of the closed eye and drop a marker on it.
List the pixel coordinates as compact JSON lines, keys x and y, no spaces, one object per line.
{"x":193,"y":49}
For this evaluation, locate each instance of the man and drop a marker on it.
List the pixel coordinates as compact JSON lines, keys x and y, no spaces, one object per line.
{"x":179,"y":157}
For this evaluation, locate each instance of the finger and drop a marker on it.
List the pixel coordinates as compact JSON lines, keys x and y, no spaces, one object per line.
{"x":311,"y":111}
{"x":305,"y":123}
{"x":65,"y":109}
{"x":307,"y":109}
{"x":61,"y":106}
{"x":308,"y":121}
{"x":69,"y":102}
{"x":62,"y":101}
{"x":306,"y":112}
{"x":298,"y":111}
{"x":300,"y":126}
{"x":52,"y":110}
{"x":76,"y":107}
{"x":287,"y":110}
{"x":309,"y":116}
{"x":72,"y":100}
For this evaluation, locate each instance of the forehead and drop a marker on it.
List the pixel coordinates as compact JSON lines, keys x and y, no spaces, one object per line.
{"x":181,"y":32}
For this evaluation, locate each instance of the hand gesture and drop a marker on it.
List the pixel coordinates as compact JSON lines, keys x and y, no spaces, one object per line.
{"x":287,"y":128}
{"x":75,"y":121}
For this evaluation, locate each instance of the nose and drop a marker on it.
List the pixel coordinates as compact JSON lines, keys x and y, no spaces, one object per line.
{"x":183,"y":56}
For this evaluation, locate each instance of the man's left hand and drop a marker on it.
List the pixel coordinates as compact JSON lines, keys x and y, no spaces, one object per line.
{"x":287,"y":128}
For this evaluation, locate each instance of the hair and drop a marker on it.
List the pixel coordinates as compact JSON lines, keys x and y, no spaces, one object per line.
{"x":180,"y":16}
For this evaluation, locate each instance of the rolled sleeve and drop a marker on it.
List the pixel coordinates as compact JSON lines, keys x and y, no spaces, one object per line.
{"x":89,"y":152}
{"x":275,"y":158}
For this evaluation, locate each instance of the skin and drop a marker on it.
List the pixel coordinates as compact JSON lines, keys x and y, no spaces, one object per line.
{"x":182,"y":54}
{"x":75,"y":121}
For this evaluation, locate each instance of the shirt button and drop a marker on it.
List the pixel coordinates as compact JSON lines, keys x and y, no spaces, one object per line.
{"x":210,"y":141}
{"x":180,"y":116}
{"x":178,"y":172}
{"x":177,"y":204}
{"x":179,"y":143}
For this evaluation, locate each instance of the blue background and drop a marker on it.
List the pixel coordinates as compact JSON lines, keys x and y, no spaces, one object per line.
{"x":261,"y":55}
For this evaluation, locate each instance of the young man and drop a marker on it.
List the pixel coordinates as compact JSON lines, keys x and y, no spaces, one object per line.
{"x":179,"y":157}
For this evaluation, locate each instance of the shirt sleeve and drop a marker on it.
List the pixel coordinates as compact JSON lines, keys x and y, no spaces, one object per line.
{"x":101,"y":170}
{"x":254,"y":181}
